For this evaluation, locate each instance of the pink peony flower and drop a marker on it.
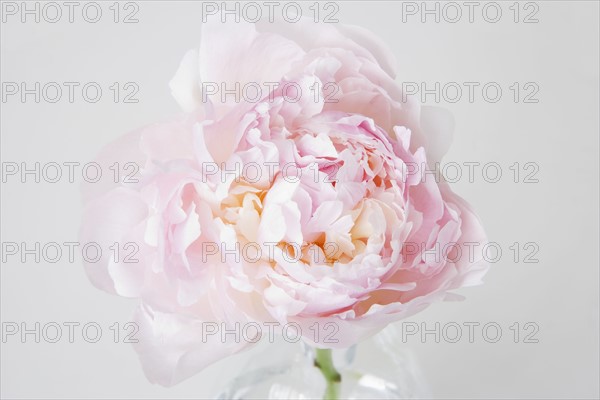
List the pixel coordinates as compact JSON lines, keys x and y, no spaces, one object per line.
{"x":291,"y":212}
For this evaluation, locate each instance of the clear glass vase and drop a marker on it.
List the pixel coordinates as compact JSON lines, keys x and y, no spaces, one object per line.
{"x":379,"y":368}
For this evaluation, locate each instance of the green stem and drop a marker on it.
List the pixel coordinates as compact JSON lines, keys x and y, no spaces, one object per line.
{"x":324,"y":362}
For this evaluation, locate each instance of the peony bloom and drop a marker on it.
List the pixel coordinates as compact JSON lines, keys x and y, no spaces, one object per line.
{"x":289,"y":211}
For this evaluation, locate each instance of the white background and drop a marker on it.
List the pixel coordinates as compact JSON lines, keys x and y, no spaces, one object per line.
{"x":560,"y":213}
